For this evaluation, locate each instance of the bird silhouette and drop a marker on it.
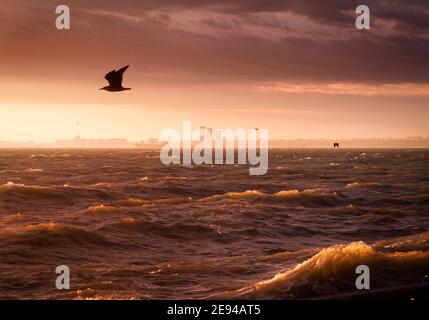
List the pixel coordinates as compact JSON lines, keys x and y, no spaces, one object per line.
{"x":115,"y":80}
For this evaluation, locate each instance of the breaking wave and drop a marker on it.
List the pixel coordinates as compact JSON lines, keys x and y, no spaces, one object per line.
{"x":332,"y":270}
{"x":151,"y":202}
{"x":53,"y":192}
{"x":30,"y":191}
{"x":362,"y":185}
{"x":100,"y":209}
{"x":33,"y":170}
{"x":309,"y":196}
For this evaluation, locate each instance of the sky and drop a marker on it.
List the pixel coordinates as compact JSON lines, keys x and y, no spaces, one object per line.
{"x":299,"y":68}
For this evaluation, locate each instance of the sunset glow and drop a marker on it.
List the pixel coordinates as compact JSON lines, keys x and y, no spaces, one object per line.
{"x":225,"y":64}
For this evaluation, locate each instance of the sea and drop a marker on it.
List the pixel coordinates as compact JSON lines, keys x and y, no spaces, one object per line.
{"x":129,"y":227}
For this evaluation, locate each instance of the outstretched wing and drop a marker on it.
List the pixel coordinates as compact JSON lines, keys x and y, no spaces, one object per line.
{"x":121,"y":71}
{"x":115,"y":77}
{"x":112,"y":78}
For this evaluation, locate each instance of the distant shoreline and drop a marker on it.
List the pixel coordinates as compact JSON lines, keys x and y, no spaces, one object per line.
{"x":270,"y":148}
{"x":414,"y":142}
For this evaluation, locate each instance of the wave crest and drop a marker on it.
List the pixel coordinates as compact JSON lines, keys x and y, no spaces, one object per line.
{"x":362,"y":185}
{"x":332,"y":271}
{"x":100,"y":209}
{"x":54,"y":234}
{"x":307,"y":197}
{"x":30,"y":191}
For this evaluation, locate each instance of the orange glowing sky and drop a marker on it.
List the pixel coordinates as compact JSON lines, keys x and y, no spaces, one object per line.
{"x":298,"y":68}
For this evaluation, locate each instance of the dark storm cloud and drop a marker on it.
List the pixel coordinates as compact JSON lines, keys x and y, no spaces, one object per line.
{"x":226,"y":40}
{"x":409,"y":12}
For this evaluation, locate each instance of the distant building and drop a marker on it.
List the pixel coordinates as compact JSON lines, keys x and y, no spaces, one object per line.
{"x":149,"y":144}
{"x":78,"y":142}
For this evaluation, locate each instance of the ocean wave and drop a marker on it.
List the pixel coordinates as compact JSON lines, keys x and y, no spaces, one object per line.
{"x":38,"y":156}
{"x":332,"y":270}
{"x":416,"y":198}
{"x":246,"y":194}
{"x":93,"y":294}
{"x":352,"y":208}
{"x":132,"y":202}
{"x":362,"y":185}
{"x":176,"y":230}
{"x":53,"y":234}
{"x":22,"y":189}
{"x":172,"y":178}
{"x":101,"y":209}
{"x":408,"y":243}
{"x":43,"y":156}
{"x":309,"y":193}
{"x":308,"y":197}
{"x":15,"y":218}
{"x":33,"y":170}
{"x":53,"y":192}
{"x":285,"y":170}
{"x":101,"y":185}
{"x":29,"y":170}
{"x":18,"y":192}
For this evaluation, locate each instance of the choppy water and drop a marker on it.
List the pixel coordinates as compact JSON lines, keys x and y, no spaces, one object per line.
{"x":130,"y":227}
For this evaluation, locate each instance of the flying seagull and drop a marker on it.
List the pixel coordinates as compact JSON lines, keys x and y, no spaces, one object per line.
{"x":115,"y":80}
